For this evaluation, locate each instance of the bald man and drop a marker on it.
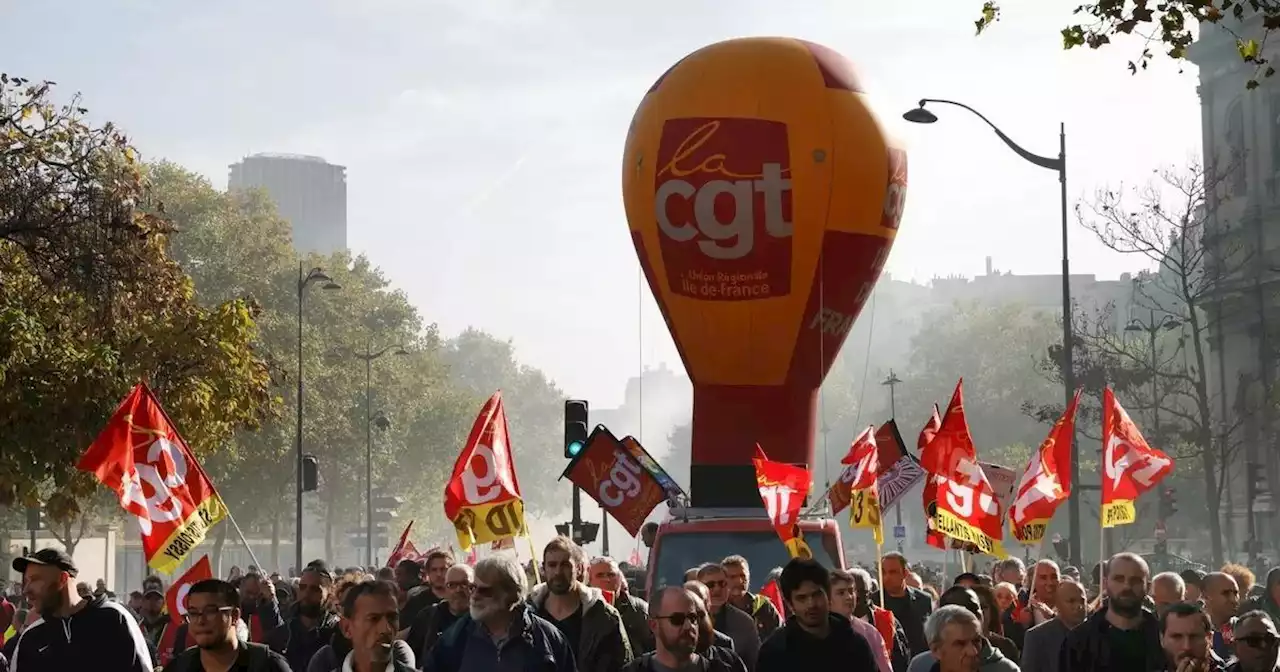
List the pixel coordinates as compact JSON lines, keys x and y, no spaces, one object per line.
{"x":1221,"y":598}
{"x":1039,"y":605}
{"x":1167,"y":589}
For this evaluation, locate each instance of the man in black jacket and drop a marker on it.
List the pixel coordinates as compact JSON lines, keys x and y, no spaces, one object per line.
{"x":311,"y":627}
{"x":370,"y":619}
{"x":1121,"y":635}
{"x":213,"y":609}
{"x":813,"y":638}
{"x":674,"y":618}
{"x":74,"y":633}
{"x":911,"y":606}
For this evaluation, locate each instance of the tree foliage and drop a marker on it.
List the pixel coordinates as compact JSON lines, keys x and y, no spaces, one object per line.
{"x":90,"y":303}
{"x":1167,"y":26}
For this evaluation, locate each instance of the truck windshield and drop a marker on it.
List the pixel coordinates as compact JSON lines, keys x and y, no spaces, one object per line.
{"x":679,"y":552}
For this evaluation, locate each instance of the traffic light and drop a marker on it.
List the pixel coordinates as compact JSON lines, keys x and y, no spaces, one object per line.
{"x":1255,"y":480}
{"x":310,"y":473}
{"x":35,"y":519}
{"x":1168,"y":503}
{"x":575,"y":427}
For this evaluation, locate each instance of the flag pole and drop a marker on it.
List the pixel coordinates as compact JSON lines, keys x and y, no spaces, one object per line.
{"x":533,"y":554}
{"x":200,"y":468}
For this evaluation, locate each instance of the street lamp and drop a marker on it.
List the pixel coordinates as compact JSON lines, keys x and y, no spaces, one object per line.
{"x":1152,"y":327}
{"x":305,"y":278}
{"x":920,"y":115}
{"x":892,"y":381}
{"x":370,"y":419}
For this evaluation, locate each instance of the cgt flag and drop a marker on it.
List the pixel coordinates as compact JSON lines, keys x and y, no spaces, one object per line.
{"x":898,"y":472}
{"x":403,"y":547}
{"x":482,"y":498}
{"x":783,"y":488}
{"x":864,"y":460}
{"x":967,"y":507}
{"x":176,"y":597}
{"x":1130,"y":466}
{"x":930,"y":495}
{"x":609,"y":472}
{"x":1047,"y":481}
{"x":141,"y":456}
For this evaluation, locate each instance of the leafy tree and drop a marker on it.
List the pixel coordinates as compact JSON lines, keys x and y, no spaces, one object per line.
{"x":90,"y":303}
{"x":481,"y":364}
{"x":1167,"y":26}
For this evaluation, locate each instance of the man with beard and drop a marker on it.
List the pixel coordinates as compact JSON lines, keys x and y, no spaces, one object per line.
{"x":152,"y":619}
{"x":1257,"y":643}
{"x":591,"y":625}
{"x":674,"y":619}
{"x":727,"y":618}
{"x":500,"y":633}
{"x":1222,"y":601}
{"x":434,"y":620}
{"x":814,"y":638}
{"x":911,"y":606}
{"x":370,"y":619}
{"x":1184,"y":637}
{"x":1120,"y":635}
{"x":213,"y":613}
{"x":258,"y":607}
{"x":766,"y":616}
{"x":1045,"y":640}
{"x":73,"y":633}
{"x":311,"y":627}
{"x":605,"y":575}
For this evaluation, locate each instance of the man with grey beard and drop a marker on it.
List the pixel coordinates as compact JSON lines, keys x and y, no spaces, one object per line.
{"x":500,"y":633}
{"x":1121,"y":635}
{"x":674,"y":618}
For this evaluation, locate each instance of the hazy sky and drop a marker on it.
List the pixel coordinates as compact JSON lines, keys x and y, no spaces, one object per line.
{"x":483,"y":137}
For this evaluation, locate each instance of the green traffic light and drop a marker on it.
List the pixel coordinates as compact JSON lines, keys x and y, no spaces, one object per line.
{"x":575,"y":447}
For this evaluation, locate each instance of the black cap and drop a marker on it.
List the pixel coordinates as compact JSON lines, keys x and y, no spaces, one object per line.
{"x":50,"y":557}
{"x":155,"y":592}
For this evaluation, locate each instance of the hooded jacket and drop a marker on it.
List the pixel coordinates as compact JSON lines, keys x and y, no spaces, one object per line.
{"x":103,"y":636}
{"x":989,"y":660}
{"x":791,"y":648}
{"x":603,"y":646}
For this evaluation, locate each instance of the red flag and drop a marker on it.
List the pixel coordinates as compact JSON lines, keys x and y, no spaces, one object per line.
{"x":864,"y":458}
{"x":1130,"y":466}
{"x":398,"y":553}
{"x":931,"y":536}
{"x":482,"y":497}
{"x":141,"y":456}
{"x":1047,"y":481}
{"x":619,"y":483}
{"x":176,"y":597}
{"x":771,"y":592}
{"x":783,"y":488}
{"x":967,"y":507}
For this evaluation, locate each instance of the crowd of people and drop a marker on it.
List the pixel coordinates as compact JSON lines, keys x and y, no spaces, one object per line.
{"x":438,"y":615}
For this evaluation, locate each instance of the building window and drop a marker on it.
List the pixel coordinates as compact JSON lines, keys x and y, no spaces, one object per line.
{"x":1236,"y":182}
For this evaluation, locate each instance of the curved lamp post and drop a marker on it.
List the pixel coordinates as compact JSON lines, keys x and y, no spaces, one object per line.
{"x":305,"y":279}
{"x":371,"y":419}
{"x":921,"y":115}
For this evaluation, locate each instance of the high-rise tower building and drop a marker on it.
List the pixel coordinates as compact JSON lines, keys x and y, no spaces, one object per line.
{"x":309,"y":192}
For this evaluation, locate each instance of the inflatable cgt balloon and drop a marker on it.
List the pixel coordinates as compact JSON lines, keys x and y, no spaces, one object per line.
{"x":763,"y":196}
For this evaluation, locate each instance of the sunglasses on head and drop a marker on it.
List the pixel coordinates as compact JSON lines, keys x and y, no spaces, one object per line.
{"x":679,"y":619}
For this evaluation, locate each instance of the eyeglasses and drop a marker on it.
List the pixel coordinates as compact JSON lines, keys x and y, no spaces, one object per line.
{"x":678,"y":619}
{"x":455,"y":585}
{"x":1260,"y":641}
{"x":202,"y":614}
{"x":715,"y":584}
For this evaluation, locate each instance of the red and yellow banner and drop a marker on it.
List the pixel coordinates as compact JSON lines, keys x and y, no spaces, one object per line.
{"x":176,"y":597}
{"x":783,"y":488}
{"x":141,"y":456}
{"x":1130,"y":467}
{"x":610,"y":474}
{"x":1047,"y":481}
{"x":863,"y":463}
{"x":966,"y":506}
{"x":482,"y":498}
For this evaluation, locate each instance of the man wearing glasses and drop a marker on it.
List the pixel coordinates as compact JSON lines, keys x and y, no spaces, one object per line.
{"x":673,"y":616}
{"x":213,"y":610}
{"x":1257,"y":644}
{"x":432,"y":621}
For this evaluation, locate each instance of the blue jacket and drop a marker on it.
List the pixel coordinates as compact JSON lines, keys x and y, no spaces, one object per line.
{"x":548,"y":650}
